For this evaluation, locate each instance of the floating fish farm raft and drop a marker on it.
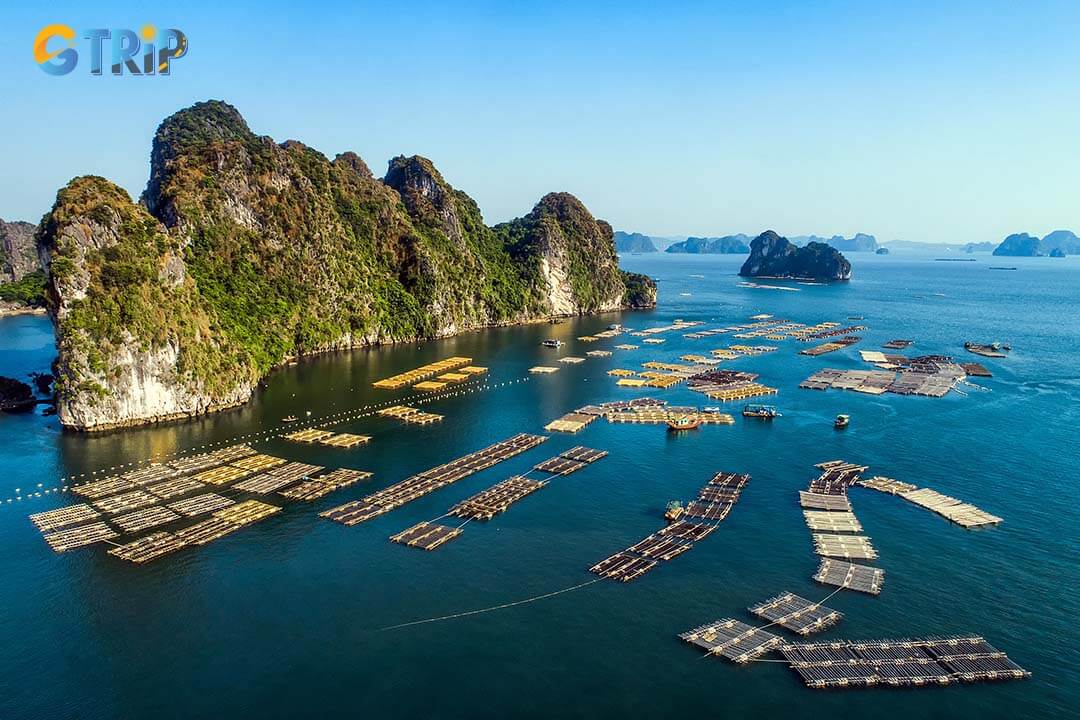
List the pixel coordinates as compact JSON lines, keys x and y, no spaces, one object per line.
{"x":898,"y":344}
{"x":421,"y":484}
{"x":714,"y":502}
{"x":168,"y":494}
{"x":411,"y":415}
{"x":543,"y":370}
{"x":660,"y":415}
{"x":728,"y":385}
{"x":571,"y":422}
{"x":900,"y":663}
{"x":732,"y":640}
{"x":410,"y":377}
{"x":796,"y":613}
{"x":820,"y":501}
{"x":927,"y":375}
{"x":496,"y":499}
{"x":850,"y":576}
{"x":426,"y":536}
{"x":957,"y":511}
{"x":831,"y":346}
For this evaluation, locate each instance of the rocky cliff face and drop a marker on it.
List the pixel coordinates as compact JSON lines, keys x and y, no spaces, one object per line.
{"x":18,"y":256}
{"x":774,"y":256}
{"x":245,"y":252}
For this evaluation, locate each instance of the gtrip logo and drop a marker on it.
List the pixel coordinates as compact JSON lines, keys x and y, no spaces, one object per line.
{"x":148,"y":52}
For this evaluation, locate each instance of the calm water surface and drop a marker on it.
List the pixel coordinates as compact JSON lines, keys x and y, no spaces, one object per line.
{"x":282,"y":618}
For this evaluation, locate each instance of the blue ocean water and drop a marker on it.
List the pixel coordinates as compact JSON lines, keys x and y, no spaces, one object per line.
{"x":282,"y":619}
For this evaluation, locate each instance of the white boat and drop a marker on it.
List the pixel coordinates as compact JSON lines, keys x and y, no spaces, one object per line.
{"x":552,"y":343}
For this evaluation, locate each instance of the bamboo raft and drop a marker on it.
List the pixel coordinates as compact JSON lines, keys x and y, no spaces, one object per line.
{"x":431,"y":480}
{"x":174,"y":488}
{"x":496,"y":499}
{"x":206,"y":531}
{"x":673,"y":540}
{"x":247,"y":512}
{"x":831,"y":346}
{"x":201,"y":504}
{"x":76,"y":537}
{"x":631,"y":382}
{"x":598,"y":353}
{"x":900,"y":663}
{"x":63,"y":517}
{"x":148,"y":548}
{"x":571,"y":360}
{"x":116,"y":504}
{"x":426,"y":536}
{"x":850,"y":576}
{"x":322,"y":485}
{"x":954,"y":510}
{"x":543,"y":370}
{"x":473,"y":370}
{"x":429,"y":386}
{"x":832,"y":521}
{"x":887,"y":485}
{"x":836,"y":477}
{"x":409,"y":377}
{"x":796,"y":613}
{"x":145,"y":519}
{"x":957,"y":511}
{"x":345,"y":440}
{"x":662,"y":415}
{"x":854,"y":547}
{"x":311,"y":435}
{"x":571,"y":422}
{"x":452,"y":377}
{"x":654,"y":341}
{"x":410,"y":415}
{"x":733,"y":640}
{"x":819,"y":501}
{"x":626,"y":346}
{"x":222,"y":475}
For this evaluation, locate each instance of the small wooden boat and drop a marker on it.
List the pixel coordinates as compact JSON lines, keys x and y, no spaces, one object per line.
{"x":674,"y":511}
{"x":765,"y":412}
{"x":842,"y":421}
{"x":289,"y":419}
{"x":683,"y":422}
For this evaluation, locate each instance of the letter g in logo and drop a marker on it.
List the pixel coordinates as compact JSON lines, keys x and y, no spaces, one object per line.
{"x":57,"y":62}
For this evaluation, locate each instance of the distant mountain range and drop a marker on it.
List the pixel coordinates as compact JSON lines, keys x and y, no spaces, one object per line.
{"x":1058,"y":243}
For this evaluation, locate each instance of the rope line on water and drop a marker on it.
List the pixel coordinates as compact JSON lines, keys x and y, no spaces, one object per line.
{"x":370,"y":410}
{"x":489,"y":609}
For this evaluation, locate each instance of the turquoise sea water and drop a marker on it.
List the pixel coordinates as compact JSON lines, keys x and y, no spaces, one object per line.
{"x":282,"y":619}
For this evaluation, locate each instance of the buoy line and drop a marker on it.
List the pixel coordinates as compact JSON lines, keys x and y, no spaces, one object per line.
{"x":370,"y":410}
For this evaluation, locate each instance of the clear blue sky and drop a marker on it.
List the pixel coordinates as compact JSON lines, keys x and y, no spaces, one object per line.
{"x":922,"y":121}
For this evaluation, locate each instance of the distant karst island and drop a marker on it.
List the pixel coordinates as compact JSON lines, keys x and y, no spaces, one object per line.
{"x":773,"y":256}
{"x":1058,"y":243}
{"x":633,"y":243}
{"x":22,"y":281}
{"x":243,"y":253}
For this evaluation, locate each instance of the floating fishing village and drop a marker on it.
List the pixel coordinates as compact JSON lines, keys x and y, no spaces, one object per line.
{"x":161,"y":507}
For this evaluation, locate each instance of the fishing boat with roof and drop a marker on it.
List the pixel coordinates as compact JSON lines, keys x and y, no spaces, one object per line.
{"x":683,"y":422}
{"x":765,"y":412}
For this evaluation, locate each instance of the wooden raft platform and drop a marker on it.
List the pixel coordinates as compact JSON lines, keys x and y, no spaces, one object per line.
{"x":856,"y":547}
{"x":311,"y":435}
{"x":900,"y":663}
{"x":322,"y":485}
{"x":426,"y":536}
{"x":496,"y":499}
{"x":201,"y":504}
{"x":395,"y":382}
{"x":145,"y":519}
{"x":715,"y":501}
{"x":71,"y":538}
{"x":148,"y":548}
{"x":732,"y":640}
{"x":345,"y":440}
{"x":832,"y":521}
{"x":850,"y":576}
{"x":570,"y":422}
{"x":820,"y":501}
{"x":796,"y":613}
{"x":206,"y":531}
{"x":63,"y":517}
{"x":426,"y":482}
{"x":957,"y":511}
